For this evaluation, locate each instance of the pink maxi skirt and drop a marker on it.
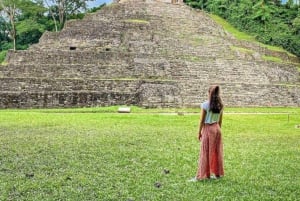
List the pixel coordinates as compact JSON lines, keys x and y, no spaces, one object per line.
{"x":211,"y":152}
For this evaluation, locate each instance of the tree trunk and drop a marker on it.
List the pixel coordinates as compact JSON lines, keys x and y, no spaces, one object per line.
{"x":14,"y":43}
{"x":13,"y":26}
{"x":61,"y":11}
{"x":52,"y":15}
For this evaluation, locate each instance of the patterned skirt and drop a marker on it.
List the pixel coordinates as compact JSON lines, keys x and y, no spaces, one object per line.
{"x":211,"y":152}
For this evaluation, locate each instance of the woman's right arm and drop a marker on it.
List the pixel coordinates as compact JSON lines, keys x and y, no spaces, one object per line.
{"x":221,"y":119}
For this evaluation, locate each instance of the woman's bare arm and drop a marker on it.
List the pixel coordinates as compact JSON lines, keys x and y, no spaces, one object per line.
{"x":202,"y":119}
{"x":221,"y":119}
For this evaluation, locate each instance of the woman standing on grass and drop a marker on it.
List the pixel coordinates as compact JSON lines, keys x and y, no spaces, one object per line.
{"x":211,"y":152}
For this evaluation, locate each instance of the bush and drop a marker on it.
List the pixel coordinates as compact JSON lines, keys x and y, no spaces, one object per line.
{"x":2,"y":56}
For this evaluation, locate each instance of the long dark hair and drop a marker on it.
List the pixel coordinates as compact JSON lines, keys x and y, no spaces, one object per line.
{"x":215,"y":101}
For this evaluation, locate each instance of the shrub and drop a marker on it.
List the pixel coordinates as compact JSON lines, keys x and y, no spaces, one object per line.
{"x":2,"y":56}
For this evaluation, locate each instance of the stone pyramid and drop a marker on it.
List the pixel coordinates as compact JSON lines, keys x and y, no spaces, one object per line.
{"x":146,"y":53}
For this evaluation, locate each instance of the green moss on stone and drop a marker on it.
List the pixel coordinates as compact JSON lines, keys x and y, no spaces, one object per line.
{"x":191,"y":58}
{"x":138,"y":21}
{"x":271,"y":58}
{"x":228,"y":27}
{"x":196,"y":41}
{"x":242,"y":49}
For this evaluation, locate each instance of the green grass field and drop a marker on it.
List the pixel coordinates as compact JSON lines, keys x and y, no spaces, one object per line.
{"x":95,"y":154}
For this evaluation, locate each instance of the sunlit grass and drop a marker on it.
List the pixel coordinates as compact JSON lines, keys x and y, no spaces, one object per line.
{"x":138,"y":21}
{"x":228,"y":27}
{"x":274,"y":59}
{"x":59,"y":155}
{"x":135,"y":109}
{"x":2,"y":57}
{"x":241,"y":49}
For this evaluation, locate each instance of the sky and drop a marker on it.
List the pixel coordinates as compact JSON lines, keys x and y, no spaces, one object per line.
{"x":96,"y":3}
{"x":284,"y":1}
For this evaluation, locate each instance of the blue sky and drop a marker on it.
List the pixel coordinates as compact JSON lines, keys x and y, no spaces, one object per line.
{"x":96,"y":3}
{"x":284,"y":1}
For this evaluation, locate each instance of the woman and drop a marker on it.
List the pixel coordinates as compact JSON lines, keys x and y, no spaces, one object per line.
{"x":211,"y":153}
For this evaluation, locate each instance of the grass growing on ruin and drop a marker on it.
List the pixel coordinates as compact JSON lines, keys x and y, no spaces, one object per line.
{"x":228,"y":27}
{"x":241,"y":49}
{"x":138,"y":21}
{"x":58,"y":155}
{"x":271,"y":58}
{"x":2,"y":57}
{"x":244,"y":36}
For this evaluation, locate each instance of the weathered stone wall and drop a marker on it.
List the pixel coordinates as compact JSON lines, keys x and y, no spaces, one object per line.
{"x":69,"y":64}
{"x":39,"y":92}
{"x":146,"y":53}
{"x":53,"y":99}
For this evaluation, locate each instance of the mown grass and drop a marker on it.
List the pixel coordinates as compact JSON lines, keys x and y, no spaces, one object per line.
{"x":98,"y":155}
{"x":134,"y":109}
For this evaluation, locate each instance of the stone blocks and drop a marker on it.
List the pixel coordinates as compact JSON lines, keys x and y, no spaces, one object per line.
{"x":146,"y":53}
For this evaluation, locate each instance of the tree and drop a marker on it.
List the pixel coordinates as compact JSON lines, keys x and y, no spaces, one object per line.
{"x":9,"y":7}
{"x":3,"y":32}
{"x":277,"y":2}
{"x":64,"y":8}
{"x":16,"y":11}
{"x":25,"y":21}
{"x":218,"y":7}
{"x":296,"y":24}
{"x":264,"y":10}
{"x":239,"y":14}
{"x":52,"y":14}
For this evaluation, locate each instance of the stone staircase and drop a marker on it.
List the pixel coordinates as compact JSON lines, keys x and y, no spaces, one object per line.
{"x":146,"y":53}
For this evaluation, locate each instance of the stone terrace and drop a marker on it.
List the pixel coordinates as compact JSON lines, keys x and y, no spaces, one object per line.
{"x":146,"y":53}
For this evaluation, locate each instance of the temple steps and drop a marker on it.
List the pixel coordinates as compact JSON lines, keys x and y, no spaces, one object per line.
{"x":147,"y":53}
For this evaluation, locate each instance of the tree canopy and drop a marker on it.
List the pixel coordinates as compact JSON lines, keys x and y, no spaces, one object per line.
{"x":62,"y":9}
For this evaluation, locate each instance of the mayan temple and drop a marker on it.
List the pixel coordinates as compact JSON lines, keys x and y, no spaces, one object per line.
{"x":146,"y":53}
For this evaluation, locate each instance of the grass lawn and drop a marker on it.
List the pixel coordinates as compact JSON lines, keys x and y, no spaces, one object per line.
{"x":89,"y":154}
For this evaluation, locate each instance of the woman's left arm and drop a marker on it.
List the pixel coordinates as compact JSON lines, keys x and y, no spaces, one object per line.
{"x":202,"y":119}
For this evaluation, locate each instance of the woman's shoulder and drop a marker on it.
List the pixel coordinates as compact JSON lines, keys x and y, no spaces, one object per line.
{"x":205,"y":105}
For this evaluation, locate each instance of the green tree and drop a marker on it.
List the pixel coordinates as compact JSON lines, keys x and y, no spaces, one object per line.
{"x":263,"y":11}
{"x":296,"y":25}
{"x":9,"y":8}
{"x":3,"y":32}
{"x":22,"y":16}
{"x":218,"y":6}
{"x":277,"y":2}
{"x":239,"y":13}
{"x":62,"y":9}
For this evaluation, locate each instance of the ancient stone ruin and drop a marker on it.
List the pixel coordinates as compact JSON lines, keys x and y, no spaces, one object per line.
{"x":150,"y":54}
